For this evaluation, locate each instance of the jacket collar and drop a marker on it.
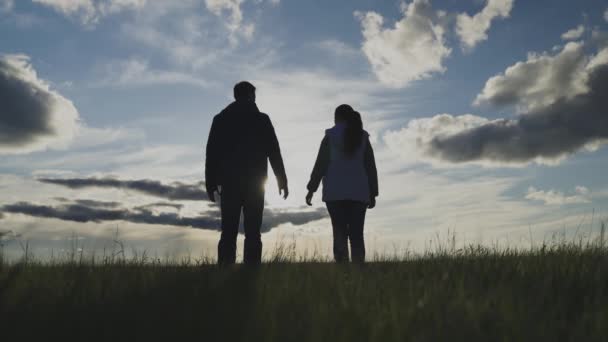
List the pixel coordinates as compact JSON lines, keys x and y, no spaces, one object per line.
{"x":241,"y":106}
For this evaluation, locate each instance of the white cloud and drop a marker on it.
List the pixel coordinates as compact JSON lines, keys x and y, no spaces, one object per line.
{"x":540,"y":80}
{"x":87,"y":137}
{"x":553,"y":197}
{"x":413,"y":49}
{"x":412,"y":142}
{"x":338,"y":48}
{"x":32,"y":116}
{"x":6,"y":6}
{"x":473,"y":30}
{"x":90,"y":11}
{"x":137,"y":72}
{"x":181,"y":40}
{"x":563,"y":112}
{"x":232,"y":13}
{"x":606,"y":15}
{"x":574,"y":34}
{"x":189,"y":36}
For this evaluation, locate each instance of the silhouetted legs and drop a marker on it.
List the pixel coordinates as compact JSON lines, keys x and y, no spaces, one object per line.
{"x":339,"y":223}
{"x":231,"y":213}
{"x":348,"y":220}
{"x":251,"y":201}
{"x":253,"y":211}
{"x":355,"y":231}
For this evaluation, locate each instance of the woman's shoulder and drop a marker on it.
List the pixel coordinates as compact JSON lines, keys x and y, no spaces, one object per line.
{"x":332,"y":131}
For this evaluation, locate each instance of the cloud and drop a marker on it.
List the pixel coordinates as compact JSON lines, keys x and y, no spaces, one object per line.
{"x":89,"y":12}
{"x":574,"y":34}
{"x":231,"y":11}
{"x":176,"y":191}
{"x":606,"y":15}
{"x":153,"y":213}
{"x":177,"y":32}
{"x":6,"y":6}
{"x":161,"y":205}
{"x":91,"y":203}
{"x":337,"y":48}
{"x":540,"y":80}
{"x":32,"y":117}
{"x":412,"y":141}
{"x":473,"y":30}
{"x":192,"y":38}
{"x":547,"y":133}
{"x":553,"y":197}
{"x":232,"y":14}
{"x":276,"y":217}
{"x":413,"y":49}
{"x":77,"y":212}
{"x":85,"y":211}
{"x":7,"y":236}
{"x":136,"y":72}
{"x":416,"y":48}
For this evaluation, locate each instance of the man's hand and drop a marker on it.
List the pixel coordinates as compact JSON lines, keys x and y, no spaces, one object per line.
{"x":372,"y":202}
{"x":284,"y":191}
{"x":309,"y":198}
{"x":211,"y":193}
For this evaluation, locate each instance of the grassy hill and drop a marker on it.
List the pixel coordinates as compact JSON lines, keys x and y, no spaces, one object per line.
{"x":549,"y":294}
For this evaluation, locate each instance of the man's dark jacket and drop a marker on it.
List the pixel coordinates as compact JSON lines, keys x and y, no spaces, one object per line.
{"x":241,"y":141}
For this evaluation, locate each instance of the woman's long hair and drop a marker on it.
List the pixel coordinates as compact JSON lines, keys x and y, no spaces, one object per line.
{"x":342,"y":112}
{"x":353,"y":135}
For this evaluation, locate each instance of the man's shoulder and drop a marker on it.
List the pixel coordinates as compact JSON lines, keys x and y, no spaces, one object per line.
{"x":224,"y":112}
{"x":217,"y":120}
{"x":221,"y":114}
{"x":264,"y":117}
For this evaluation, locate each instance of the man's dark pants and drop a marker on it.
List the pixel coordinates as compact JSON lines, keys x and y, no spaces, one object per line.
{"x":249,"y":199}
{"x":347,"y":220}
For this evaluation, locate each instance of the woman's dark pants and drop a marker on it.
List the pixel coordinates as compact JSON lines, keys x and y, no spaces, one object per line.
{"x":347,"y":220}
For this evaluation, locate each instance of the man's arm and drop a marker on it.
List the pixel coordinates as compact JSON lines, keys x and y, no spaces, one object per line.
{"x":212,"y":161}
{"x":320,"y":168}
{"x":276,"y":160}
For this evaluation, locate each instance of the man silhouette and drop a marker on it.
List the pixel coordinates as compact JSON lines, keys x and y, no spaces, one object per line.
{"x":241,"y":141}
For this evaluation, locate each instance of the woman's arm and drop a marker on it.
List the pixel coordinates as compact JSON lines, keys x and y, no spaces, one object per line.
{"x":320,"y":168}
{"x":370,"y":168}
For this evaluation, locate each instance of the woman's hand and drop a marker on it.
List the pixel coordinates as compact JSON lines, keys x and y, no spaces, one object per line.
{"x":372,"y":202}
{"x":309,"y":198}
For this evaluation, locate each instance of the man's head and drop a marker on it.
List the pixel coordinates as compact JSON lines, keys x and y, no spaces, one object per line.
{"x":244,"y":91}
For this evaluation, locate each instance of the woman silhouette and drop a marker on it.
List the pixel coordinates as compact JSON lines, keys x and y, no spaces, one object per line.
{"x":347,"y":167}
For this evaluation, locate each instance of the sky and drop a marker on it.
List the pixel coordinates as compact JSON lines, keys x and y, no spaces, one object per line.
{"x":487,"y":118}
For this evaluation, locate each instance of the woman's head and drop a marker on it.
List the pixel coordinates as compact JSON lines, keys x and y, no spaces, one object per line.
{"x":342,"y":112}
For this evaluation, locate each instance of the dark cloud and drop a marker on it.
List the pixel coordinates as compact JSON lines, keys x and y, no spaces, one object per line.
{"x":554,"y":131}
{"x":78,"y":211}
{"x":32,"y":117}
{"x":273,"y":218}
{"x":91,"y":203}
{"x":175,"y":191}
{"x":159,"y":205}
{"x":95,"y":211}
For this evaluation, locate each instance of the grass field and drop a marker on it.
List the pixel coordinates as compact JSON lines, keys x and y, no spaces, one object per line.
{"x":555,"y":293}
